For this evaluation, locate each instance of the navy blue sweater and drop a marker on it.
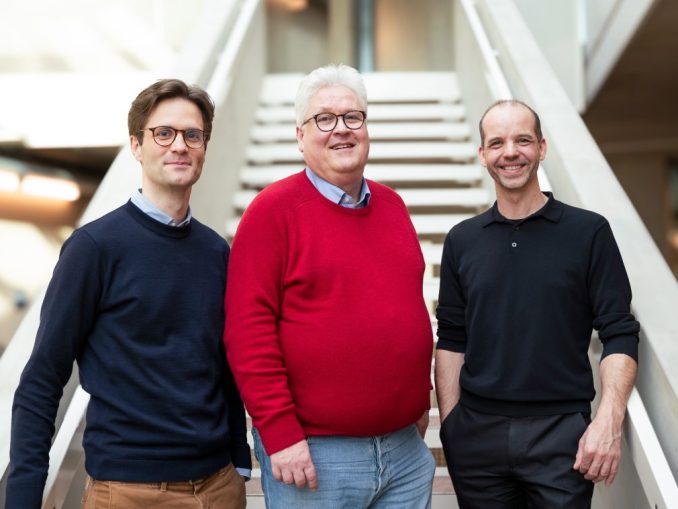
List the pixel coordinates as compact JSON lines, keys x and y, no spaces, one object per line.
{"x":139,"y":306}
{"x":521,"y":299}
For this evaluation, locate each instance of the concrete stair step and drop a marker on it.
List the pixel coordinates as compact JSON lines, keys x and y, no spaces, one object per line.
{"x":377,"y":113}
{"x":426,"y":224}
{"x":436,"y":224}
{"x":460,"y":152}
{"x":268,"y":133}
{"x":465,"y":197}
{"x":390,"y":174}
{"x":433,"y":253}
{"x":412,"y":87}
{"x":431,"y":287}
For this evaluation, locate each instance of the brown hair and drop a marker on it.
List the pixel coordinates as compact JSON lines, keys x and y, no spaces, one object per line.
{"x":151,"y":96}
{"x":510,"y":102}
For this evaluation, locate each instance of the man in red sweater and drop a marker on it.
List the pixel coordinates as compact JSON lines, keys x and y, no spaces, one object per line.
{"x":327,"y":334}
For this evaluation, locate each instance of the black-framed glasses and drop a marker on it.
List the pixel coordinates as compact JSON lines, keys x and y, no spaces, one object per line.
{"x":328,"y":121}
{"x":165,"y":135}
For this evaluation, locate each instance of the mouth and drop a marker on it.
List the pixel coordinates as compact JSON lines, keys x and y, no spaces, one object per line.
{"x":342,"y":146}
{"x":178,"y":163}
{"x":512,"y":168}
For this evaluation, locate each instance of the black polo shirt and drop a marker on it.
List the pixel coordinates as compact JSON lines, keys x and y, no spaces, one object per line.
{"x":521,"y":297}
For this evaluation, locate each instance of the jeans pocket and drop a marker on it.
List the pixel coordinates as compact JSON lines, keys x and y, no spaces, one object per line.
{"x":258,"y":447}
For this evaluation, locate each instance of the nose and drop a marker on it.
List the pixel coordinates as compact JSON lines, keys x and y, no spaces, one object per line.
{"x":341,"y":125}
{"x":179,"y":144}
{"x":510,"y":149}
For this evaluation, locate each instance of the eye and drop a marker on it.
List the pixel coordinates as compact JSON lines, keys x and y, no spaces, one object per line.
{"x":325,"y":118}
{"x":194,"y":135}
{"x":164,"y":133}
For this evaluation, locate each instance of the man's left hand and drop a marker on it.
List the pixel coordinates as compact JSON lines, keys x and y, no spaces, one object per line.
{"x":599,"y":451}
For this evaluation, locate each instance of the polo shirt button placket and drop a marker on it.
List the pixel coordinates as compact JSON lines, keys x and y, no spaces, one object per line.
{"x":516,"y":228}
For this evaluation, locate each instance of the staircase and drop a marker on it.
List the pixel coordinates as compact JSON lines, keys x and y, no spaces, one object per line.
{"x":419,"y":145}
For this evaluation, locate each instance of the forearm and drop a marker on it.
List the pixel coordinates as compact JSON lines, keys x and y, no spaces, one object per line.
{"x":599,"y":450}
{"x":447,"y":369}
{"x":617,"y":376}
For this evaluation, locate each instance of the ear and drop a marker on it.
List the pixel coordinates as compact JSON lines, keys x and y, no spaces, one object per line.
{"x":300,"y":139}
{"x":542,"y":149}
{"x":481,"y":156}
{"x":136,"y":147}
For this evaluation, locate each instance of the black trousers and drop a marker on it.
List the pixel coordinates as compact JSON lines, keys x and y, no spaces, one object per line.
{"x":499,"y":462}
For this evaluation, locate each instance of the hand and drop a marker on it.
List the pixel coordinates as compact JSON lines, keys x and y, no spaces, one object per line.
{"x":294,"y":465}
{"x":422,"y":424}
{"x":599,"y":451}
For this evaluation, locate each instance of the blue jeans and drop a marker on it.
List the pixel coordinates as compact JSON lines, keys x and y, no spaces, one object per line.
{"x":393,"y":471}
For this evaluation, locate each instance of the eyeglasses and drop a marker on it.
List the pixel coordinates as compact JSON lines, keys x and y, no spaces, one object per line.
{"x":164,"y":136}
{"x":328,"y":121}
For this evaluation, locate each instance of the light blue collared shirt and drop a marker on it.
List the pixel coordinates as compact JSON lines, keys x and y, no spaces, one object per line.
{"x":336,"y":194}
{"x":143,"y":204}
{"x":151,"y":210}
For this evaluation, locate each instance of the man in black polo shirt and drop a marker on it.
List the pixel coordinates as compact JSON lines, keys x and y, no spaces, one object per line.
{"x":522,"y":286}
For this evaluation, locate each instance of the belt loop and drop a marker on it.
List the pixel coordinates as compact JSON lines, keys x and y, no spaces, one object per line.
{"x":163,"y":487}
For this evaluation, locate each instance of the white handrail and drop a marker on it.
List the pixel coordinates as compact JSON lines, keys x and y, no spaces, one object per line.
{"x":55,"y":492}
{"x":220,"y":83}
{"x":495,"y":79}
{"x":653,"y":469}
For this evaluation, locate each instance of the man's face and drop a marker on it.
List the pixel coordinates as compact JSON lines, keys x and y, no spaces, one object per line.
{"x":175,"y":166}
{"x":511,"y":151}
{"x":338,"y":156}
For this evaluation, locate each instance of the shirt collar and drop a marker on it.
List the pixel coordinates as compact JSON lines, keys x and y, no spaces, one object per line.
{"x":148,"y":208}
{"x":337,"y":195}
{"x":551,"y":211}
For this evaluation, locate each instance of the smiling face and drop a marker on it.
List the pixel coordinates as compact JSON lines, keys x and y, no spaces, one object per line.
{"x":338,"y":156}
{"x":511,"y":151}
{"x":175,"y":167}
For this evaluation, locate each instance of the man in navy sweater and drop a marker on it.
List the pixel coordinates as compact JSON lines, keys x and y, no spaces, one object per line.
{"x":522,"y":286}
{"x":136,"y":300}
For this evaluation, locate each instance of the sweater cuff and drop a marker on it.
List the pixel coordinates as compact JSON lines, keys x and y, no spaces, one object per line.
{"x":280,"y":433}
{"x":627,"y":344}
{"x":451,"y":345}
{"x":24,"y":496}
{"x":241,"y":457}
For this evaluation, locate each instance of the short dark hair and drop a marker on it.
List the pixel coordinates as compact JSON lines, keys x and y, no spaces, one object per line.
{"x":148,"y":99}
{"x":510,"y":102}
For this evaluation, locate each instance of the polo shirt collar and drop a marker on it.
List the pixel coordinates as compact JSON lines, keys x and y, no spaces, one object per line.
{"x":551,"y":211}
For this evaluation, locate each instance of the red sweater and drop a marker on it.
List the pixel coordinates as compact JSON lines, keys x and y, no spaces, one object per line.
{"x":327,"y":332}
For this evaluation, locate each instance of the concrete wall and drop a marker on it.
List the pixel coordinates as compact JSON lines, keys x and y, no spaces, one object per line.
{"x":413,"y":36}
{"x":408,"y":36}
{"x":297,"y":41}
{"x":644,"y":178}
{"x":556,"y":27}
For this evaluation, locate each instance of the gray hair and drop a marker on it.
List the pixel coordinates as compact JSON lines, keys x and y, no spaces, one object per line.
{"x":328,"y":76}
